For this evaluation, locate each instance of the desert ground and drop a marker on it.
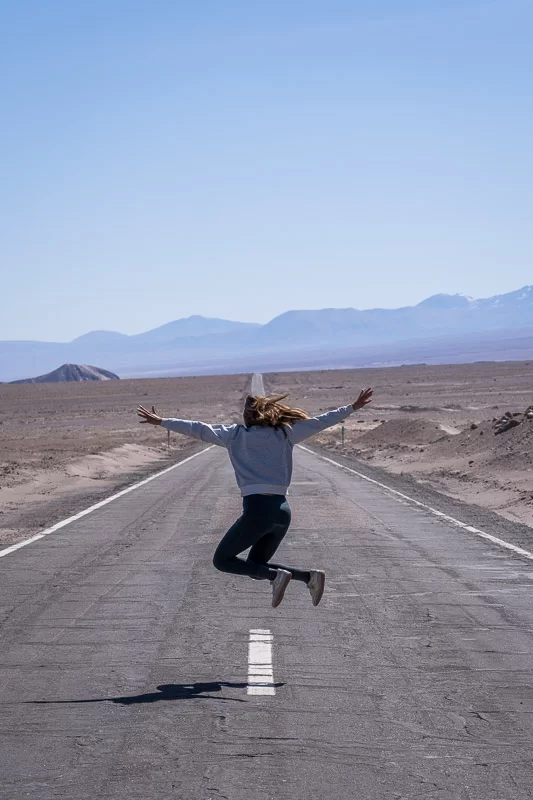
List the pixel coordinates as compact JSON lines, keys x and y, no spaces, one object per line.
{"x":64,"y":446}
{"x":436,"y":423}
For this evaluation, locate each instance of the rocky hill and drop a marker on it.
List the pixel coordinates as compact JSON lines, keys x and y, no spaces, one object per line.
{"x":72,"y":372}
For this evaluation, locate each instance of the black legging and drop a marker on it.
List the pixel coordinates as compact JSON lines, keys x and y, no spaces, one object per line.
{"x":264,"y":522}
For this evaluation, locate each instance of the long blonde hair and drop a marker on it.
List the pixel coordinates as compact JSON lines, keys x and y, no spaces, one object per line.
{"x":269,"y":411}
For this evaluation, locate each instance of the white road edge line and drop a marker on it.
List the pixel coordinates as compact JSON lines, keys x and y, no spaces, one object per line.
{"x":260,"y":670}
{"x":64,"y":522}
{"x":440,"y":514}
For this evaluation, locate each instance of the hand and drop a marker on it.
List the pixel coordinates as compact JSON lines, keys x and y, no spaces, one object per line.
{"x":149,"y":416}
{"x":364,"y":398}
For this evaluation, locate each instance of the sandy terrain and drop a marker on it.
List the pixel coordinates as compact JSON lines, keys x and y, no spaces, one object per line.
{"x":423,"y":422}
{"x":65,"y":445}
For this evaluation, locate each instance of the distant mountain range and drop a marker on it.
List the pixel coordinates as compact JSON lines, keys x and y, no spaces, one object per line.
{"x":443,"y":328}
{"x":69,"y":373}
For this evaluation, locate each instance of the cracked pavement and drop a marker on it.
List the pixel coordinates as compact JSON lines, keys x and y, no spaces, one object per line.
{"x":412,"y":679}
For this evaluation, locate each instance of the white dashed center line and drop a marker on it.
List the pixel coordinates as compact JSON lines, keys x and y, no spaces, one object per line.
{"x":260,"y":671}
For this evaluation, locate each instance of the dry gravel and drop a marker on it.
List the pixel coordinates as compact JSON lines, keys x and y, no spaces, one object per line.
{"x":67,"y":444}
{"x":435,"y":423}
{"x":63,"y":445}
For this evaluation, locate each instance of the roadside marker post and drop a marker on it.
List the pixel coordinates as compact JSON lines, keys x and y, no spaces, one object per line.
{"x":342,"y":435}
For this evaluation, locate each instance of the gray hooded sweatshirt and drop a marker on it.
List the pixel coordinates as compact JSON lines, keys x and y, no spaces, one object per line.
{"x":261,"y":456}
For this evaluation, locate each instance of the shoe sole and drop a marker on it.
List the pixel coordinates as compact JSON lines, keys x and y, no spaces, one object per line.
{"x":322,"y":583}
{"x":281,"y":593}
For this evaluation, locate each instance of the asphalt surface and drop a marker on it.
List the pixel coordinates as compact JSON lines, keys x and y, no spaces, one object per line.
{"x":257,"y":385}
{"x":123,"y":653}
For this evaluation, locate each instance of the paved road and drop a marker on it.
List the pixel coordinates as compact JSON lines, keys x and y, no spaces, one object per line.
{"x":123,"y":659}
{"x":257,"y":386}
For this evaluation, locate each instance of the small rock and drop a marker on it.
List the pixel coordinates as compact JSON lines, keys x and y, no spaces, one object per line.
{"x":506,"y":424}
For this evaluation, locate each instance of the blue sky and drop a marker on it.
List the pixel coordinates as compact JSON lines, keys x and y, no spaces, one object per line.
{"x":239,"y":159}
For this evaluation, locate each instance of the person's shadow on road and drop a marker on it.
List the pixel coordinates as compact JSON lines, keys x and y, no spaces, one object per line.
{"x":167,"y":691}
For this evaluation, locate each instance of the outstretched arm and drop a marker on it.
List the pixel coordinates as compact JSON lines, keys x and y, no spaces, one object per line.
{"x":305,"y":428}
{"x":214,"y":434}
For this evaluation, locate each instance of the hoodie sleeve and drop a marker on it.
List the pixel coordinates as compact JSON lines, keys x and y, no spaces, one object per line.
{"x":214,"y":434}
{"x":304,"y":428}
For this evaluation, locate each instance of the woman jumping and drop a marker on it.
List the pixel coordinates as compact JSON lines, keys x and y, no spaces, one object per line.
{"x":261,"y":455}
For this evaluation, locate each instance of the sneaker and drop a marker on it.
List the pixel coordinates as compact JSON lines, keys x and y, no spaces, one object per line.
{"x":279,"y":584}
{"x":316,"y":585}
